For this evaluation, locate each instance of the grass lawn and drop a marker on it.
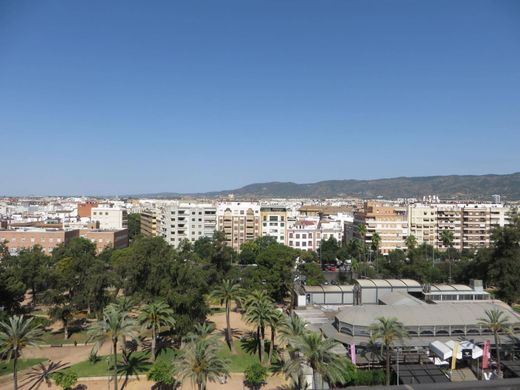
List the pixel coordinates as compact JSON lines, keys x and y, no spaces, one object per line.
{"x":240,"y":359}
{"x":103,"y":367}
{"x":54,"y":338}
{"x":7,"y":368}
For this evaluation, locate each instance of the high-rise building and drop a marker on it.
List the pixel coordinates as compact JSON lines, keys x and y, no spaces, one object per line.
{"x":149,"y":226}
{"x":471,"y":224}
{"x":274,"y":222}
{"x":240,"y":222}
{"x":387,"y":220}
{"x":186,"y":221}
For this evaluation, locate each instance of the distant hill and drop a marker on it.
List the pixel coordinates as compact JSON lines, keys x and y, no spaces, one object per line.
{"x":446,"y":187}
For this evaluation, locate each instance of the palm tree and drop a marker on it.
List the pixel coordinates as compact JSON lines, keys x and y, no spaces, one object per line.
{"x":16,"y":333}
{"x":114,"y":325}
{"x":62,"y":313}
{"x":42,"y":374}
{"x":258,"y":311}
{"x":155,"y":315}
{"x":376,"y":241}
{"x":227,"y":293}
{"x":447,"y":240}
{"x":276,"y":320}
{"x":199,"y":361}
{"x":388,"y":330}
{"x":316,"y":352}
{"x":293,"y":327}
{"x":411,"y":242}
{"x":497,"y":322}
{"x":133,"y":365}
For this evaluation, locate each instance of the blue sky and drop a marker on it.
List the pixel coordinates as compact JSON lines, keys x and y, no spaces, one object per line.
{"x":118,"y":97}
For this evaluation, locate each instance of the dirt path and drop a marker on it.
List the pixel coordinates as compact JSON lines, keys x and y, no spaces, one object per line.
{"x":235,"y":382}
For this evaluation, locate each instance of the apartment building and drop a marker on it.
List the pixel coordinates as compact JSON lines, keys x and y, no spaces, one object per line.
{"x":472,"y":224}
{"x":109,"y":218}
{"x":274,"y":222}
{"x":240,"y":222}
{"x":103,"y":239}
{"x":422,"y":223}
{"x":26,"y":238}
{"x":149,"y":226}
{"x":186,"y":221}
{"x":304,"y":234}
{"x":389,"y":221}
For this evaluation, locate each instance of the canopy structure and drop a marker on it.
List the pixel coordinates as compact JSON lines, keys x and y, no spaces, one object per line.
{"x":466,"y":349}
{"x":441,"y":350}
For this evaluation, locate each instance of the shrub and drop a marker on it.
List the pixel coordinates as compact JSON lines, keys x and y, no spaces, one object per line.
{"x":162,"y":372}
{"x":65,"y":379}
{"x":255,"y":376}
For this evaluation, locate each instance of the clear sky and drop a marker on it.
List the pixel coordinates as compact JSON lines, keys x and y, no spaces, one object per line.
{"x":119,"y":97}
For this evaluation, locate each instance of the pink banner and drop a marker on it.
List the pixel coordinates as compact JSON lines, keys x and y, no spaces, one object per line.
{"x":485,"y":354}
{"x":353,"y":353}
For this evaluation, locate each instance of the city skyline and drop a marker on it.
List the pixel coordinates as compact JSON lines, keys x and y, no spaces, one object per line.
{"x":137,"y":98}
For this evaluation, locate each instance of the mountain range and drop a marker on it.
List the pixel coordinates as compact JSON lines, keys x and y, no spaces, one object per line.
{"x":446,"y":187}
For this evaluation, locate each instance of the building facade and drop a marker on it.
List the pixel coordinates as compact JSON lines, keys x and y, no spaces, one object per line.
{"x":149,"y":227}
{"x":186,"y":221}
{"x":390,"y":222}
{"x":240,"y":222}
{"x":274,"y":223}
{"x":471,"y":224}
{"x":26,"y":238}
{"x":114,"y":239}
{"x":109,"y":218}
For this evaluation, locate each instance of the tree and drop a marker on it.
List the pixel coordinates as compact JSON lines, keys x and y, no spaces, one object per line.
{"x":313,"y":274}
{"x":376,"y":241}
{"x":162,"y":372}
{"x":497,"y":322}
{"x":411,"y":242}
{"x":258,"y":312}
{"x":17,"y":333}
{"x":155,"y":315}
{"x":316,"y":352}
{"x":33,"y":265}
{"x":62,"y":313}
{"x":292,"y":327}
{"x":276,"y":321}
{"x":228,"y":292}
{"x":255,"y":376}
{"x":152,"y":269}
{"x":114,"y":325}
{"x":388,"y":330}
{"x":503,"y":267}
{"x":447,"y":238}
{"x":132,"y":365}
{"x":200,"y":362}
{"x":12,"y":288}
{"x":43,"y":373}
{"x":134,"y":225}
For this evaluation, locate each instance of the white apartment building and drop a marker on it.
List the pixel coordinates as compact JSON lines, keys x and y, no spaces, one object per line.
{"x":274,"y":222}
{"x":304,"y":234}
{"x":240,"y":222}
{"x":109,"y":218}
{"x":186,"y":221}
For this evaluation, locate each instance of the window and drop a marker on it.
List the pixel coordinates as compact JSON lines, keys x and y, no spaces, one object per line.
{"x":290,"y":243}
{"x":297,"y":243}
{"x":297,"y":235}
